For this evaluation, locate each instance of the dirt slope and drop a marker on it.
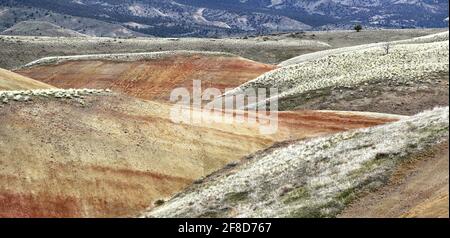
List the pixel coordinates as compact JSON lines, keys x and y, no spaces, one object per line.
{"x":13,"y":81}
{"x":149,"y":77}
{"x":107,"y":156}
{"x":419,"y":188}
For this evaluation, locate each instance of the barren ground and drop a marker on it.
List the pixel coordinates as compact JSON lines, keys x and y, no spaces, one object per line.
{"x":150,"y":79}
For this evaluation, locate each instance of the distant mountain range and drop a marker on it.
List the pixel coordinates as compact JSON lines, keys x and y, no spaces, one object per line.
{"x":230,"y":17}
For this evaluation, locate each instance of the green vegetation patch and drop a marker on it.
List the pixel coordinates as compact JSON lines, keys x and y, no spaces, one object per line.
{"x":307,"y":212}
{"x":295,"y":195}
{"x":236,"y":196}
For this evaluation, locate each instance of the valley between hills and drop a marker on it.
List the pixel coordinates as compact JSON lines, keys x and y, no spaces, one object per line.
{"x":86,"y":129}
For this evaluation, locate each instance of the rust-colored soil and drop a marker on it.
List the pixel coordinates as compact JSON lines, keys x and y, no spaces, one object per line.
{"x":116,"y":155}
{"x":150,"y":79}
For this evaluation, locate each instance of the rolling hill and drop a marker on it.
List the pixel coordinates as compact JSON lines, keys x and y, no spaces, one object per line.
{"x":360,"y":77}
{"x":314,"y":178}
{"x":438,"y":37}
{"x":149,"y":76}
{"x":105,"y":143}
{"x":20,"y":50}
{"x":88,"y":153}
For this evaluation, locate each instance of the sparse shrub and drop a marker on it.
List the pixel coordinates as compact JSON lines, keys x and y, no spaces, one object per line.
{"x":235,"y":197}
{"x":387,"y":48}
{"x":358,"y":28}
{"x":24,"y":96}
{"x":354,"y":67}
{"x":324,"y":187}
{"x":198,"y":181}
{"x":159,"y":202}
{"x":286,"y":189}
{"x":296,"y":195}
{"x":232,"y":165}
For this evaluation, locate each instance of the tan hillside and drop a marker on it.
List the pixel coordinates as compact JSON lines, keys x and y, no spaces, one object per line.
{"x":106,"y":155}
{"x":14,"y":81}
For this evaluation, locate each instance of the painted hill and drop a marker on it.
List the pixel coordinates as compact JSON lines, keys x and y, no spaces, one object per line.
{"x":13,"y":81}
{"x":146,"y":75}
{"x":314,"y":178}
{"x":93,"y":153}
